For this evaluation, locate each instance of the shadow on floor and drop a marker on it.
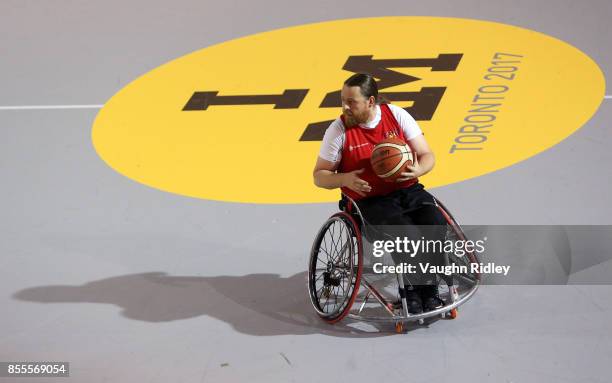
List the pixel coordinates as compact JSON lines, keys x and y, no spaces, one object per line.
{"x":254,"y":304}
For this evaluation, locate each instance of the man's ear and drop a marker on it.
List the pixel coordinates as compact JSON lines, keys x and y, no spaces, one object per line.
{"x":371,"y":101}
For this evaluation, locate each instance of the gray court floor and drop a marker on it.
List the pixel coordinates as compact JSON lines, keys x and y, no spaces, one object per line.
{"x":131,"y":284}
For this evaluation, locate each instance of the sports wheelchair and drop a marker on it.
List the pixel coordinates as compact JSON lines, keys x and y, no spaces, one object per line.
{"x":340,"y":286}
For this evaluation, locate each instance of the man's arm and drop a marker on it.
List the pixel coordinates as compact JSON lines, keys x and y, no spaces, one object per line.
{"x":424,"y":159}
{"x":325,"y":176}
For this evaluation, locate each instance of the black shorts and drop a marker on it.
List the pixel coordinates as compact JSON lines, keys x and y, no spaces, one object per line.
{"x":409,"y":206}
{"x":410,"y":212}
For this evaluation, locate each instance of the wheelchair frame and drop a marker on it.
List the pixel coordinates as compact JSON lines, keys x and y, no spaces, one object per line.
{"x":351,"y":268}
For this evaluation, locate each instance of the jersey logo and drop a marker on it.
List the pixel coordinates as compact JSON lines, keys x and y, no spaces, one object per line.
{"x":351,"y":147}
{"x":391,"y":134}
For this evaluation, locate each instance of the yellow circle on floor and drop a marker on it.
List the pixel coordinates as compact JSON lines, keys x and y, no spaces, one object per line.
{"x":242,"y":121}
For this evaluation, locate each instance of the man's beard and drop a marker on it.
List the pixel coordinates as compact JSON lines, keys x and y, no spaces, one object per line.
{"x":356,"y":119}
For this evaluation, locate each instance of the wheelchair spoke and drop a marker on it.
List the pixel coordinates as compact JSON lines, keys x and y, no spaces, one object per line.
{"x":326,"y":253}
{"x":343,"y":289}
{"x":340,"y":256}
{"x":335,"y":244}
{"x":331,"y":232}
{"x":337,"y":258}
{"x":319,"y":296}
{"x":324,"y":264}
{"x":337,"y":253}
{"x":329,"y":248}
{"x":337,"y":294}
{"x":341,"y":232}
{"x":324,"y":243}
{"x":327,"y":302}
{"x":324,"y":248}
{"x":317,"y":278}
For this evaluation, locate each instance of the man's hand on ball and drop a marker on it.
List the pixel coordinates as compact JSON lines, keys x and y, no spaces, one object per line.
{"x":356,"y":184}
{"x":412,"y":171}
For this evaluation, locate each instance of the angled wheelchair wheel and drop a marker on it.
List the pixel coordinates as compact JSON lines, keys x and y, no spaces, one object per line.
{"x":455,"y":233}
{"x":336,"y":262}
{"x":463,"y":283}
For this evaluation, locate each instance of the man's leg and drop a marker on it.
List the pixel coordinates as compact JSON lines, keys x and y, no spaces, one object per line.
{"x":384,"y":216}
{"x":403,"y":227}
{"x":433,"y":229}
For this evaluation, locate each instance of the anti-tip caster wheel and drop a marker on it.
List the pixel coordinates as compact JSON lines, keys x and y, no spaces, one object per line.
{"x":399,"y":327}
{"x":452,"y":314}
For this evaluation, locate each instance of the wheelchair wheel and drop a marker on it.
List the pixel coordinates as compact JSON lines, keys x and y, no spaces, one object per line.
{"x":336,"y":262}
{"x":455,"y":233}
{"x":459,"y":282}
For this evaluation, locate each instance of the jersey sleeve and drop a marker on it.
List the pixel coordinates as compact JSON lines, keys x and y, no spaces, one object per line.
{"x":333,"y":140}
{"x":406,"y":122}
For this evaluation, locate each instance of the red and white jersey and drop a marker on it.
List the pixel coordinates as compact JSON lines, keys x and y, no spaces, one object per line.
{"x":333,"y":141}
{"x":357,"y":148}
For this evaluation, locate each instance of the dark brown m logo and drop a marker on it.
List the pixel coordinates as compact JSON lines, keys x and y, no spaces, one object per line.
{"x":425,"y":101}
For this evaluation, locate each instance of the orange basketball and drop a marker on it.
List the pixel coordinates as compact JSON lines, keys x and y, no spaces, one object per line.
{"x":390,"y":157}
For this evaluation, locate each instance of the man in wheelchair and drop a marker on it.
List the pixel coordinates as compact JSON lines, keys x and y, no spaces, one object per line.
{"x":344,"y":162}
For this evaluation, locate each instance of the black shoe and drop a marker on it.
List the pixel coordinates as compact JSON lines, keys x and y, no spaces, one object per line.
{"x":413,"y":301}
{"x":430,"y":297}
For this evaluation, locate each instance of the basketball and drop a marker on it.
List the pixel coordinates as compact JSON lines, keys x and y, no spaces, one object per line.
{"x":390,"y":157}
